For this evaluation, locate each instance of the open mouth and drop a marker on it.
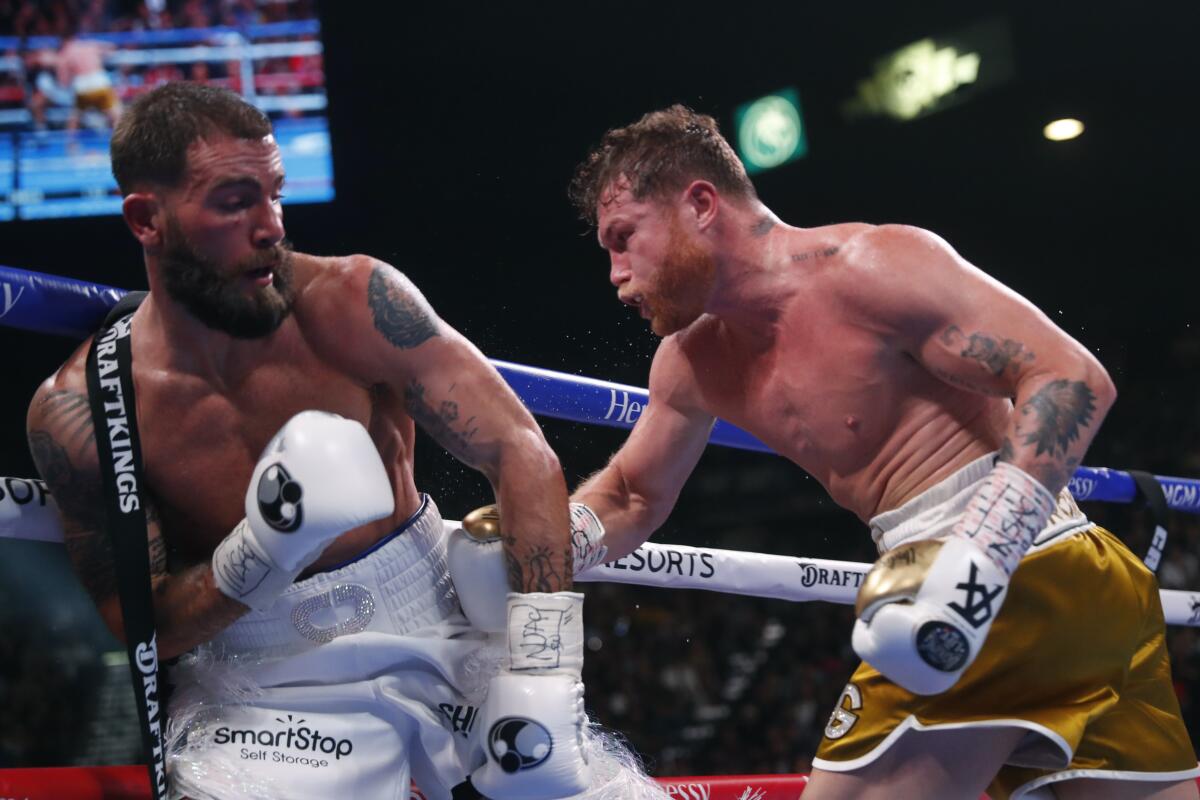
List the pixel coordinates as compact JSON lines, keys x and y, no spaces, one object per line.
{"x":261,"y":276}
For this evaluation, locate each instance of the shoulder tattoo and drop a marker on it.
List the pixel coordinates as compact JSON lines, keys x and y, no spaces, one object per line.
{"x":400,"y":313}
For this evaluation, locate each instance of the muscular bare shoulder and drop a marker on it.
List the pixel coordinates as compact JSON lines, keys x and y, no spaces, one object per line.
{"x":900,"y":281}
{"x":349,"y":305}
{"x":899,"y":252}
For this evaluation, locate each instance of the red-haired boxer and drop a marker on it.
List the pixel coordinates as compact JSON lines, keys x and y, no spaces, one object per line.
{"x":945,"y":411}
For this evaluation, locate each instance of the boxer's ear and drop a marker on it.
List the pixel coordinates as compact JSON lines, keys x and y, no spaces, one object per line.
{"x":143,"y":214}
{"x":701,"y":201}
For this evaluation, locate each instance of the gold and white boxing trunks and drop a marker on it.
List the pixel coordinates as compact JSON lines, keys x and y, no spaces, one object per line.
{"x":1076,"y":657}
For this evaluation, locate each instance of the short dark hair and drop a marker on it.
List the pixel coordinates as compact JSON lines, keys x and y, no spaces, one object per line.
{"x":661,"y":152}
{"x":152,"y":137}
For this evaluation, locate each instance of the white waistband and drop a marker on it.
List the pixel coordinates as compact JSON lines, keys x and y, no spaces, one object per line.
{"x":932,"y":513}
{"x":91,"y":82}
{"x":398,"y":586}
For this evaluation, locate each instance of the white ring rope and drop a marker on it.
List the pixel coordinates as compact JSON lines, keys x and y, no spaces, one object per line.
{"x":27,"y":511}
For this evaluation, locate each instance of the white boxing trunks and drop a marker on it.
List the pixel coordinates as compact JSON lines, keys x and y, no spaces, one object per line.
{"x":354,"y":680}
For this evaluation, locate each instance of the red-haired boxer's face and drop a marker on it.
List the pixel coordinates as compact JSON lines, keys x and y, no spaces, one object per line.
{"x":224,"y":257}
{"x":657,"y":265}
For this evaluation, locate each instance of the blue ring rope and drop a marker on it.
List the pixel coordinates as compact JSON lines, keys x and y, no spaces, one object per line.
{"x":42,"y":303}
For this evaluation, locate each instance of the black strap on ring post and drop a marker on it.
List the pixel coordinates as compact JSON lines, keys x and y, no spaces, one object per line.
{"x":1151,"y":493}
{"x":110,"y":392}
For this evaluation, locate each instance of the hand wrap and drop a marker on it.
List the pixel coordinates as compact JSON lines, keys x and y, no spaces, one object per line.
{"x":926,"y":607}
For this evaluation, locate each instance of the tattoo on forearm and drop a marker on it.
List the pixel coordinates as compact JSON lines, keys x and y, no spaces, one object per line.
{"x":516,"y":575}
{"x":444,"y":426}
{"x":400,"y":313}
{"x":1052,"y":418}
{"x":995,"y":354}
{"x":824,"y":252}
{"x":536,"y":571}
{"x":541,"y":575}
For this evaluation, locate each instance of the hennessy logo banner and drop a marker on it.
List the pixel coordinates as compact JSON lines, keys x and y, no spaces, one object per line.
{"x":9,"y":295}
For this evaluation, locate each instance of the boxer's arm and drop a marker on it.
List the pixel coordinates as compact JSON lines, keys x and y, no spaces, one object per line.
{"x":459,"y":399}
{"x":187,"y":605}
{"x":633,"y":494}
{"x":976,"y":334}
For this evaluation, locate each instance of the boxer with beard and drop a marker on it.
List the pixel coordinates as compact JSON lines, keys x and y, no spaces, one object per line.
{"x":948,"y":414}
{"x":290,"y":549}
{"x":197,"y":284}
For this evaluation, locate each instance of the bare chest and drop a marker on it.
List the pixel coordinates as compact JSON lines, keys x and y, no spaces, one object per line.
{"x":824,"y":395}
{"x":200,"y":441}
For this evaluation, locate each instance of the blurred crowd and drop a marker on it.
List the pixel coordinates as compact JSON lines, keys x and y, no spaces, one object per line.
{"x":78,"y":74}
{"x":24,"y":18}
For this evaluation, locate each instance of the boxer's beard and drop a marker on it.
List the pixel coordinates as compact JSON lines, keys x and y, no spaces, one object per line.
{"x":682,"y":286}
{"x":217,"y":297}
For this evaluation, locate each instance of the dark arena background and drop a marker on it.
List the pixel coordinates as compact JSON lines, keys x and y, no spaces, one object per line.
{"x":441,"y":138}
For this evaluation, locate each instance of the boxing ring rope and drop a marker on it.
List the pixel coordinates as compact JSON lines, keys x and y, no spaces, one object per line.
{"x":45,"y":303}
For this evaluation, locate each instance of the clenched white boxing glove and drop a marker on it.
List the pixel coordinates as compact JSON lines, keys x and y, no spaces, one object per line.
{"x":533,"y":720}
{"x":476,"y":560}
{"x":317,"y":478}
{"x":925,"y":608}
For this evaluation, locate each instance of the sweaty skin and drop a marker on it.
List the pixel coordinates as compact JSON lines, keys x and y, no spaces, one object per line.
{"x":873,"y":357}
{"x":361,"y":342}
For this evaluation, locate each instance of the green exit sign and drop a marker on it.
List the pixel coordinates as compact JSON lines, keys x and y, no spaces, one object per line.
{"x":770,"y":131}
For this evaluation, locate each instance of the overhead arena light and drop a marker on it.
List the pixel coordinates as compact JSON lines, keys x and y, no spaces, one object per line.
{"x":1060,"y":130}
{"x":770,"y":131}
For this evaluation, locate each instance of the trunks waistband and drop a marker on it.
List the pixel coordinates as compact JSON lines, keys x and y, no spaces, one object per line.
{"x":932,"y":513}
{"x":397,"y":586}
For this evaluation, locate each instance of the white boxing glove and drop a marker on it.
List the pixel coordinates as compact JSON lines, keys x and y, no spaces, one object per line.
{"x":476,"y":561}
{"x":320,"y":476}
{"x":925,"y":608}
{"x":533,"y":719}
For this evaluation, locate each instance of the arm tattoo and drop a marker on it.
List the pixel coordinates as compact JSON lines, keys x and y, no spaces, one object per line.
{"x":440,"y":423}
{"x":400,"y":313}
{"x":996,"y":355}
{"x":535,"y":571}
{"x":69,"y":413}
{"x":80,"y":498}
{"x":1055,"y":415}
{"x":1050,"y":473}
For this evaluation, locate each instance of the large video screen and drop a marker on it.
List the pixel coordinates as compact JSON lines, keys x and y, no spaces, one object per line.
{"x":67,"y":69}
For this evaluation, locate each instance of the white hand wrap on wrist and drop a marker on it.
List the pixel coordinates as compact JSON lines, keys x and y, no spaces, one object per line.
{"x":242,"y":570}
{"x":587,"y":538}
{"x":545,"y":632}
{"x":1008,"y":511}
